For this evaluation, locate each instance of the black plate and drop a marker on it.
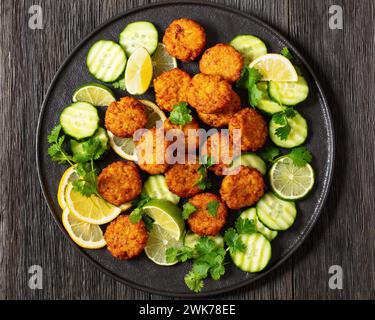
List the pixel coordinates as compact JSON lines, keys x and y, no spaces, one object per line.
{"x":221,"y":24}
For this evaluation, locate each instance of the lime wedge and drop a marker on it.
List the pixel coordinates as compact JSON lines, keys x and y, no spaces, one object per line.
{"x":167,"y":215}
{"x":290,"y":182}
{"x":159,"y":240}
{"x":162,"y":61}
{"x":275,"y":67}
{"x":94,"y":93}
{"x":138,"y":73}
{"x":125,"y":147}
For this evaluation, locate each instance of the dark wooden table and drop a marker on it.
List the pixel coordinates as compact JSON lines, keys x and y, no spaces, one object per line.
{"x":345,"y":233}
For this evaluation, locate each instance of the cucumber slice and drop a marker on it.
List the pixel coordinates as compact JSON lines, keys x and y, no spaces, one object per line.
{"x":106,"y":60}
{"x":275,"y":213}
{"x":80,"y":120}
{"x":251,"y":214}
{"x":289,"y":93}
{"x":266,"y":104}
{"x":139,"y":34}
{"x":257,"y":255}
{"x":250,"y":160}
{"x":79,"y":147}
{"x":192,"y":238}
{"x":297,"y":135}
{"x":249,"y":46}
{"x":156,"y":188}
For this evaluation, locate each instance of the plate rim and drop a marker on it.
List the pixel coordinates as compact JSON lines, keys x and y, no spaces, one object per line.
{"x":327,"y":178}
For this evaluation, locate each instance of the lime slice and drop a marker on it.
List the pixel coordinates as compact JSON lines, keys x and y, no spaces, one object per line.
{"x":138,"y":73}
{"x":68,"y":176}
{"x":94,"y":93}
{"x":289,"y":181}
{"x":162,"y":61}
{"x":159,"y":240}
{"x":86,"y":235}
{"x":167,"y":215}
{"x":125,"y":147}
{"x":91,"y":209}
{"x":275,"y":67}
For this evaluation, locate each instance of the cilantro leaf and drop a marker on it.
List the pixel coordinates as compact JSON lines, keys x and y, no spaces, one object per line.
{"x":245,"y":226}
{"x":269,"y":153}
{"x":54,"y":135}
{"x":120,"y":83}
{"x":149,"y":222}
{"x":194,"y":282}
{"x":254,"y":77}
{"x":242,"y":82}
{"x":283,"y":132}
{"x":180,"y":114}
{"x":300,"y":156}
{"x":181,"y":254}
{"x":56,"y":150}
{"x":203,"y":183}
{"x":201,"y":267}
{"x":212,"y":207}
{"x":233,"y":241}
{"x":286,"y":53}
{"x":254,"y":95}
{"x":281,"y":118}
{"x":136,"y":215}
{"x":204,"y":245}
{"x":87,"y":182}
{"x":187,"y":210}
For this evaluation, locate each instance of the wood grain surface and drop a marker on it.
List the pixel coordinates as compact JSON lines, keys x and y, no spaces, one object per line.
{"x":345,"y":233}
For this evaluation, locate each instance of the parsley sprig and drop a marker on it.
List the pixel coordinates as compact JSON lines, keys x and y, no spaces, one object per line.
{"x":203,"y":182}
{"x":56,"y":150}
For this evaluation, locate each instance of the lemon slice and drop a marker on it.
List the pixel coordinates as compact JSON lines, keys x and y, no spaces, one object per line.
{"x":290,"y":182}
{"x":67,"y":177}
{"x":138,"y":73}
{"x":86,"y":235}
{"x":162,"y":61}
{"x":167,"y":215}
{"x":90,"y":209}
{"x":275,"y":67}
{"x":125,"y":147}
{"x":159,"y":240}
{"x":94,"y":93}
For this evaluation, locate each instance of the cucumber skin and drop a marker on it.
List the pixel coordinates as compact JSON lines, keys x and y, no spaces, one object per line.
{"x":123,"y":70}
{"x":279,"y":196}
{"x":269,"y":90}
{"x":264,"y":226}
{"x":72,"y":135}
{"x":142,"y":21}
{"x":258,"y":270}
{"x":283,"y":145}
{"x":273,"y":229}
{"x":246,"y":35}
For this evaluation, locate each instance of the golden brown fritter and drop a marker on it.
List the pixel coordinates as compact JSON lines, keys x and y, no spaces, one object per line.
{"x":184,"y":39}
{"x":182,"y":179}
{"x":243,"y":189}
{"x":189,"y":131}
{"x":222,"y":60}
{"x":253,"y":128}
{"x":201,"y":221}
{"x":209,"y":94}
{"x":222,"y":119}
{"x":120,"y":182}
{"x":124,"y":117}
{"x":171,"y":88}
{"x":125,"y":240}
{"x":219,"y":148}
{"x":151,"y":151}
